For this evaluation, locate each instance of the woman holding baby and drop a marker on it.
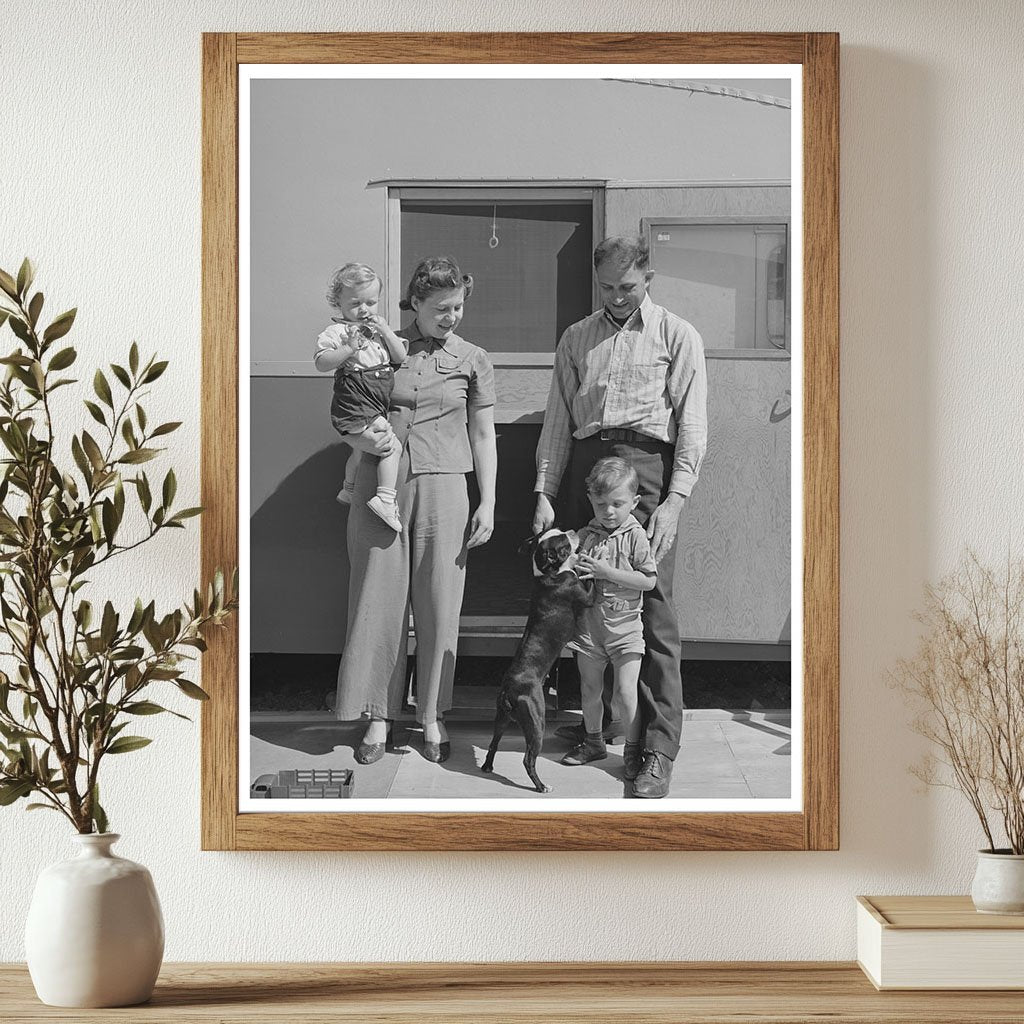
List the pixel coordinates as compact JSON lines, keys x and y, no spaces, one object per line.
{"x":441,"y":419}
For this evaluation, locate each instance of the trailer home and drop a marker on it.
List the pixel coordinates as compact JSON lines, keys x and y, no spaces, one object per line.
{"x":720,"y":234}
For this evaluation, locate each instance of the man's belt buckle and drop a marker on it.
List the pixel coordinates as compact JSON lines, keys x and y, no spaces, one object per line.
{"x":617,"y":434}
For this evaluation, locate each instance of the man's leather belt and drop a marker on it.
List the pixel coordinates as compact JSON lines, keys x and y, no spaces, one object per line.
{"x":622,"y":434}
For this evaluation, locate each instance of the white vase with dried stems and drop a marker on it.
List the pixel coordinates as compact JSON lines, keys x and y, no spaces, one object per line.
{"x":967,"y":683}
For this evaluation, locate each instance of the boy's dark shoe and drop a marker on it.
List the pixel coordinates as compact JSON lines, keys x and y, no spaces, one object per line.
{"x":655,"y":776}
{"x":632,"y":760}
{"x":576,"y":734}
{"x":591,"y":749}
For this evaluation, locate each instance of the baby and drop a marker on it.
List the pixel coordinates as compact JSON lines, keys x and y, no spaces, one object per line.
{"x":614,"y":552}
{"x":362,"y":351}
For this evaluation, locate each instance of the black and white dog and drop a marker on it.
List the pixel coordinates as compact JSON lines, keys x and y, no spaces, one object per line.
{"x":559,"y":596}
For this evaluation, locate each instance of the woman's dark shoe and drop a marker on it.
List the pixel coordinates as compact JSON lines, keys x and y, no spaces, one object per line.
{"x":437,"y":752}
{"x":369,"y":753}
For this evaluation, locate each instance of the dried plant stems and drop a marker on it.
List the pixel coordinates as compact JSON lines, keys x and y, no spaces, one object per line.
{"x":967,"y":679}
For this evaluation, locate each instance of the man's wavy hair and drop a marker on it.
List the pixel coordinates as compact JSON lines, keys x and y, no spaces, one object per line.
{"x":624,"y":251}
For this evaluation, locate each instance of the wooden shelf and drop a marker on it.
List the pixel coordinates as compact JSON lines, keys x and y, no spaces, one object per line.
{"x":524,"y":993}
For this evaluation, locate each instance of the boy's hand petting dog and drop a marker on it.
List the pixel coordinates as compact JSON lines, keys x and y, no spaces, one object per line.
{"x":588,"y":568}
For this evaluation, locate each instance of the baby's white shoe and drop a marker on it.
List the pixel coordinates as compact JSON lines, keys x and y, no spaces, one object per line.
{"x":387,"y":510}
{"x":344,"y":496}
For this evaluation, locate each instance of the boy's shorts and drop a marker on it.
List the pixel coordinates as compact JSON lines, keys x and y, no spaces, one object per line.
{"x":360,"y":397}
{"x":607,"y":631}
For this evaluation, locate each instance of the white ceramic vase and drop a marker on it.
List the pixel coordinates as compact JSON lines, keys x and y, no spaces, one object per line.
{"x":999,"y":883}
{"x":95,"y":934}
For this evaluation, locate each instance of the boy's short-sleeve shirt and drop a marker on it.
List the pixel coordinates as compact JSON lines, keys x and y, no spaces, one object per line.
{"x":624,"y":548}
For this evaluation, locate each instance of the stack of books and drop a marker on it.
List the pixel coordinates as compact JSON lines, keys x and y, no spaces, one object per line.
{"x":938,"y":942}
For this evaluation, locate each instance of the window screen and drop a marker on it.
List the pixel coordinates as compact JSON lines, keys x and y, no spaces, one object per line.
{"x":530,"y":286}
{"x":728,"y":280}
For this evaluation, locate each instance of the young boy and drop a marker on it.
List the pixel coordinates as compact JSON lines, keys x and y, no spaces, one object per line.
{"x":615,"y":552}
{"x":362,"y":351}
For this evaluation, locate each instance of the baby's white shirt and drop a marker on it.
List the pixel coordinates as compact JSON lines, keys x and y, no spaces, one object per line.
{"x":373,"y":353}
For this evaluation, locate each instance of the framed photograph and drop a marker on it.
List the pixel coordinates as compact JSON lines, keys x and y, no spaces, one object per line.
{"x":521,"y":420}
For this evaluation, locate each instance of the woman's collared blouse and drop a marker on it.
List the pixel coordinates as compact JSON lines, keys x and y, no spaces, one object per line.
{"x":435,"y":388}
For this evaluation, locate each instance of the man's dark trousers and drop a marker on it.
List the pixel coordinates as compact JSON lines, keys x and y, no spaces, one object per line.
{"x":661,"y":684}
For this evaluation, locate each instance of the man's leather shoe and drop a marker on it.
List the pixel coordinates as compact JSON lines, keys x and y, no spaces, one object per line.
{"x":632,"y":760}
{"x":655,"y":776}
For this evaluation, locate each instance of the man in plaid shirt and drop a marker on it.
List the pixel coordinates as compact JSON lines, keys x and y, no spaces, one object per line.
{"x":630,"y":381}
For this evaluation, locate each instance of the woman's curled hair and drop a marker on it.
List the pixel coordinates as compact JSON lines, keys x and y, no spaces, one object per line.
{"x":435,"y":274}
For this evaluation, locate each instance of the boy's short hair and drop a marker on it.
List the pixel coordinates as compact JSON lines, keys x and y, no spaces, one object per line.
{"x":624,"y":251}
{"x":350,"y":276}
{"x":607,"y":474}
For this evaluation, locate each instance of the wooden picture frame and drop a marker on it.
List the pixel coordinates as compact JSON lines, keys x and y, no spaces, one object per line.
{"x":816,"y":826}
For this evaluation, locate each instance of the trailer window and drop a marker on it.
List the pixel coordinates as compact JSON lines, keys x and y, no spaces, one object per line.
{"x":729,"y":279}
{"x":529,"y":285}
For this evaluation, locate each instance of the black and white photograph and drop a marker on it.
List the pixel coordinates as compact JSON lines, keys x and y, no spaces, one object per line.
{"x":520,"y":504}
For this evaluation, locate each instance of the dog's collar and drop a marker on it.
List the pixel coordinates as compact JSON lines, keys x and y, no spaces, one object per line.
{"x":562,"y":568}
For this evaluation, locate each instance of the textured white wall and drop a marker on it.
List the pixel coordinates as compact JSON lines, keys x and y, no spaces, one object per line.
{"x":99,"y":181}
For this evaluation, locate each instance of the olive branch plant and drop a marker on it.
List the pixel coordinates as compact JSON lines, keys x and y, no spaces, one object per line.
{"x":80,"y":674}
{"x":967,"y":682}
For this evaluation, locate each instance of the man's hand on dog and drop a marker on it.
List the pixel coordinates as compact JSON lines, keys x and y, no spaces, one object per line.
{"x":544,"y":516}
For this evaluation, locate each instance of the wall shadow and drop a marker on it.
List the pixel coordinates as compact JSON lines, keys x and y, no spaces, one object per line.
{"x":889,"y":270}
{"x":299,"y":558}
